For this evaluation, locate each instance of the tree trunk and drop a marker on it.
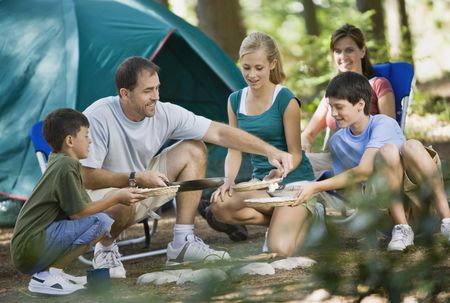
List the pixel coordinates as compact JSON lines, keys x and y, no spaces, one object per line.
{"x":310,"y":16}
{"x":163,"y":2}
{"x":222,"y":22}
{"x":406,"y":46}
{"x":377,"y":18}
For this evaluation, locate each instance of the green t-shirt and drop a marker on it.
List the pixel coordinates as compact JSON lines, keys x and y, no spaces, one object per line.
{"x":269,"y":127}
{"x":58,"y":195}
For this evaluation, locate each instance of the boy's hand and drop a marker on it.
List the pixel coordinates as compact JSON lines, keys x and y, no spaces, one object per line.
{"x":151,"y":179}
{"x":129,"y":196}
{"x":305,"y":192}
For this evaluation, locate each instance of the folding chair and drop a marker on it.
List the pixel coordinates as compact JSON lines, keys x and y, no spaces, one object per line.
{"x":401,"y":77}
{"x":43,"y":150}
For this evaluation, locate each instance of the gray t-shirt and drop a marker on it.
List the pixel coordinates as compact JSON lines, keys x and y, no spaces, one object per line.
{"x":347,"y":149}
{"x":122,"y":145}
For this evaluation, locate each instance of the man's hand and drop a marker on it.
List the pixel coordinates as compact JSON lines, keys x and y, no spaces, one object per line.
{"x":151,"y":178}
{"x":305,"y":192}
{"x":283,"y":161}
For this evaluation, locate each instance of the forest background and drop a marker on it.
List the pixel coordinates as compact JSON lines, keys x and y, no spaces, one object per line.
{"x":396,"y":30}
{"x":352,"y":264}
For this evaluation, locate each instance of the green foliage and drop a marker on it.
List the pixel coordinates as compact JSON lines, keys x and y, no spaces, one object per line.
{"x":377,"y":271}
{"x":306,"y":59}
{"x":425,"y":103}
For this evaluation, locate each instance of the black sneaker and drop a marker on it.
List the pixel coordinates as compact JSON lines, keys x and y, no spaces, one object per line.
{"x":235,"y":232}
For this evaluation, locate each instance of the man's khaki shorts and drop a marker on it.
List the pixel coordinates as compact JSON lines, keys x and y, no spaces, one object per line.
{"x":144,"y":207}
{"x":411,"y":189}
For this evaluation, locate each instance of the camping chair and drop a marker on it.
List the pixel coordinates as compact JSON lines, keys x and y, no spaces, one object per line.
{"x":401,"y":77}
{"x":42,"y":150}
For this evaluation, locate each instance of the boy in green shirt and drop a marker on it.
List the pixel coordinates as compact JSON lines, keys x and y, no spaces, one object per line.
{"x":58,"y":222}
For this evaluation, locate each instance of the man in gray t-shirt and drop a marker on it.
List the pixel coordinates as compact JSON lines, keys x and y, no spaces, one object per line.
{"x":128,"y":130}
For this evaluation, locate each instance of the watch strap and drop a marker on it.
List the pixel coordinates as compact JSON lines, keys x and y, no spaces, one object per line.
{"x":132,"y":179}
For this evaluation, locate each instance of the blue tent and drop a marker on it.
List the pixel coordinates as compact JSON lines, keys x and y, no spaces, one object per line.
{"x":64,"y":53}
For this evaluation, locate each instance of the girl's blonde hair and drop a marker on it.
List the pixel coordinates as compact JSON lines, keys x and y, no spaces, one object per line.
{"x":256,"y":41}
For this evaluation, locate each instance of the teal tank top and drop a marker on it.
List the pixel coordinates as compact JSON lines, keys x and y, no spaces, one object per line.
{"x":269,"y":127}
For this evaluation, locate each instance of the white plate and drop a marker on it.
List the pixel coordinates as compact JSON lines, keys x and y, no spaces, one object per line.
{"x":159,"y":191}
{"x":254,"y":185}
{"x":272,"y":202}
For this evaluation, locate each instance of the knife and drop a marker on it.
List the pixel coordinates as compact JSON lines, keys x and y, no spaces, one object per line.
{"x":198,"y":184}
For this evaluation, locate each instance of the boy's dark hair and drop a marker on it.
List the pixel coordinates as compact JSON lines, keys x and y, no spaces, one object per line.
{"x":128,"y":71}
{"x":60,"y":123}
{"x":352,"y":87}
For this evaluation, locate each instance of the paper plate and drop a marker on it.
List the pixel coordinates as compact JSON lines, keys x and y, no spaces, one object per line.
{"x":254,"y":185}
{"x":285,"y":192}
{"x":271,"y":202}
{"x":159,"y":191}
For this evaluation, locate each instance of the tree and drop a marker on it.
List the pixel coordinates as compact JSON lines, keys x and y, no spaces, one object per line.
{"x":163,"y":2}
{"x":377,"y":18}
{"x":222,"y":22}
{"x":406,"y":47}
{"x":309,"y":13}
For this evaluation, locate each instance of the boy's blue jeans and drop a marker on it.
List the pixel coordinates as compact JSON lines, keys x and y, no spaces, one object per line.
{"x":66,"y":235}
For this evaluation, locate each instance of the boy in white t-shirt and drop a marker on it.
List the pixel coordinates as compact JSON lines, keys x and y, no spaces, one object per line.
{"x":367,"y":146}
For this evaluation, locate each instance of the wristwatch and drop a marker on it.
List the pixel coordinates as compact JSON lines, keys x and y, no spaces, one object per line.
{"x":132,"y":179}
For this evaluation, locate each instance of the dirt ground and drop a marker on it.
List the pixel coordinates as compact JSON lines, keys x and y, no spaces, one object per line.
{"x":13,"y":285}
{"x":295,"y":285}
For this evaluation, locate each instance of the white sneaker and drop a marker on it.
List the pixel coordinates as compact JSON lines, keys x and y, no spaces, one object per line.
{"x":81,"y":280}
{"x":265,"y":247}
{"x":445,"y":228}
{"x":402,"y":237}
{"x":193,"y":250}
{"x":109,"y":259}
{"x":53,"y":284}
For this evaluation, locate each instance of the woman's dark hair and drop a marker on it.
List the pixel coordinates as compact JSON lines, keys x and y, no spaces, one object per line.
{"x":351,"y":31}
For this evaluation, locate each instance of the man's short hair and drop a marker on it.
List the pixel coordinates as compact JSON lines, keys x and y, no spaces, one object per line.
{"x":128,"y":71}
{"x":352,"y":87}
{"x":60,"y":123}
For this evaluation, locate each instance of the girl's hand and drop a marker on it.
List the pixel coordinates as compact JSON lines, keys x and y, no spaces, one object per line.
{"x":224,"y":189}
{"x":306,"y":143}
{"x":274,"y":174}
{"x":129,"y":196}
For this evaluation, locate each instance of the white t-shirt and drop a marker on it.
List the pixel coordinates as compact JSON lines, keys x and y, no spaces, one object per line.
{"x":243,"y":103}
{"x":122,"y":145}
